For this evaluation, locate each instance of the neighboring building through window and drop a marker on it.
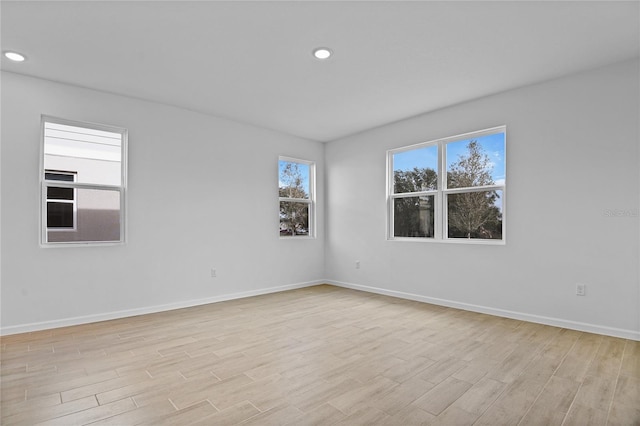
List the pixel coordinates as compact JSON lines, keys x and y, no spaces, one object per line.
{"x":83,"y":182}
{"x":450,"y":189}
{"x":296,"y":182}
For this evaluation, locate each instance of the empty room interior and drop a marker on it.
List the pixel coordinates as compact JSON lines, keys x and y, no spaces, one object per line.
{"x":320,"y":213}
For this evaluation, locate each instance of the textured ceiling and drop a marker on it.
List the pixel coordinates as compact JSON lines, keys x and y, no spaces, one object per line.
{"x":252,"y":62}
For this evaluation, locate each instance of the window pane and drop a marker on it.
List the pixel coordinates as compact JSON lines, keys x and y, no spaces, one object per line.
{"x":413,"y":216}
{"x":294,"y":179}
{"x":67,"y":177}
{"x":294,"y":218}
{"x":476,"y":162}
{"x":59,"y":215}
{"x":55,"y":193}
{"x":97,"y":217}
{"x":475,"y":215}
{"x":95,"y":155}
{"x":415,"y":170}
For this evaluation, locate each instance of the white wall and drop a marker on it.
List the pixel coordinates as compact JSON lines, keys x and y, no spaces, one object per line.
{"x":572,"y":155}
{"x":202,"y":194}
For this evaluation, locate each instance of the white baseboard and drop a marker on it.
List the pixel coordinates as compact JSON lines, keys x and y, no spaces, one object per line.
{"x":556,"y":322}
{"x":46,"y":325}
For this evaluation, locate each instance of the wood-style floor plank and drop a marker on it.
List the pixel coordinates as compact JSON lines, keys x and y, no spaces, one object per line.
{"x":318,"y":356}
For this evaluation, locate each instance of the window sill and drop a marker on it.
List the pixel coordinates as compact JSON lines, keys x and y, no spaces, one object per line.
{"x":298,"y":237}
{"x":450,"y":241}
{"x":81,"y":244}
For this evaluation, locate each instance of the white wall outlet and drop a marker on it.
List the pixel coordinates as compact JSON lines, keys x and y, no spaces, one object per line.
{"x":213,"y":273}
{"x":357,"y":264}
{"x":581,"y":289}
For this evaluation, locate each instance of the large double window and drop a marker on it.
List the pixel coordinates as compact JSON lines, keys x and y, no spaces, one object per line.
{"x":296,"y":190}
{"x":83,"y":182}
{"x":451,"y":189}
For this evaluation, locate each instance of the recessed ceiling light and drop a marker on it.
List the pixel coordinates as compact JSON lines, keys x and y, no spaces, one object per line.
{"x":322,"y":53}
{"x":14,"y":56}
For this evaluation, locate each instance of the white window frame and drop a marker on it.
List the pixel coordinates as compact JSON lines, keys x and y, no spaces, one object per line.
{"x":45,"y":184}
{"x":440,"y":194}
{"x":73,"y":202}
{"x":311,"y":201}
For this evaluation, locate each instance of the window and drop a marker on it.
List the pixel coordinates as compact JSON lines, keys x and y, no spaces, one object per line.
{"x":83,"y":182}
{"x":61,"y":202}
{"x":451,"y":189}
{"x":296,"y":182}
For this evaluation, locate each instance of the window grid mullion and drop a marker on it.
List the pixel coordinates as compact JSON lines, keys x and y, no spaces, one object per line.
{"x":390,"y":202}
{"x":295,"y":200}
{"x":474,"y":189}
{"x":55,"y":200}
{"x":440,"y":211}
{"x":414,"y":194}
{"x":76,"y":185}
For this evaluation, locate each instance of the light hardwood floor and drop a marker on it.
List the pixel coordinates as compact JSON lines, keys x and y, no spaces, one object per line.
{"x":319,"y":356}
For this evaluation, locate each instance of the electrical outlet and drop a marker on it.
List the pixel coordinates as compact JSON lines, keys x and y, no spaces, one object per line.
{"x":581,"y":289}
{"x":357,"y":264}
{"x":213,"y":273}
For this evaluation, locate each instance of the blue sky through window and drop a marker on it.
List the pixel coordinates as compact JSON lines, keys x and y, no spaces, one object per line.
{"x":304,"y":172}
{"x":493,"y":147}
{"x":427,"y":157}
